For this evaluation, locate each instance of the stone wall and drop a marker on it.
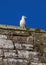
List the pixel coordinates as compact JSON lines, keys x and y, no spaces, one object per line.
{"x":21,"y":46}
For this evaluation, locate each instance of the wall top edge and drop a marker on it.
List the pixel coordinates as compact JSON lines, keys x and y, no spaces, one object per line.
{"x":17,"y":28}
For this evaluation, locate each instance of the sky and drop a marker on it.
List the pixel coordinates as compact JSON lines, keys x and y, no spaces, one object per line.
{"x":11,"y":12}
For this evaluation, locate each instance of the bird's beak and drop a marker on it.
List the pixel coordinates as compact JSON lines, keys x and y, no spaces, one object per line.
{"x":25,"y":17}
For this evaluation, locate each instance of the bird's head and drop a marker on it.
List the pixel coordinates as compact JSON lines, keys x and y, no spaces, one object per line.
{"x":23,"y":17}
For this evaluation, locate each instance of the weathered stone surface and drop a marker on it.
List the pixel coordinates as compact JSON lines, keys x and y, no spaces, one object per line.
{"x":44,"y":38}
{"x":14,"y":62}
{"x":30,"y":39}
{"x":10,"y":54}
{"x":23,"y":54}
{"x":20,"y":39}
{"x":27,"y":46}
{"x":27,"y":54}
{"x":38,"y":38}
{"x":6,"y":44}
{"x":21,"y":46}
{"x":3,"y":37}
{"x":24,"y":46}
{"x":1,"y":52}
{"x":33,"y":63}
{"x":18,"y":46}
{"x":5,"y":61}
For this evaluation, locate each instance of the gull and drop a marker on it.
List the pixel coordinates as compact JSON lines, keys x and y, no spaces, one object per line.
{"x":23,"y":22}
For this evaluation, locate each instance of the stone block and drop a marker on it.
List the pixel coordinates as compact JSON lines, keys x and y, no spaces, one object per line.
{"x":11,"y":61}
{"x":44,"y":38}
{"x":30,"y":39}
{"x":10,"y":54}
{"x":1,"y":61}
{"x":7,"y":44}
{"x":20,"y":39}
{"x":27,"y":54}
{"x":37,"y":38}
{"x":18,"y":46}
{"x":33,"y":55}
{"x":27,"y":46}
{"x":3,"y":36}
{"x":5,"y":61}
{"x":23,"y":54}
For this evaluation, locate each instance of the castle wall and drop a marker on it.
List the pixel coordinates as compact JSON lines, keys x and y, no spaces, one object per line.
{"x":22,"y":47}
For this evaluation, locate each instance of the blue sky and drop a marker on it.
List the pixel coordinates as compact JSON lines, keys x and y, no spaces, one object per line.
{"x":12,"y":10}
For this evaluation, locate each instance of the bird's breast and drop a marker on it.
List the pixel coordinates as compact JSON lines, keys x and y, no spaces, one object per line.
{"x":22,"y":23}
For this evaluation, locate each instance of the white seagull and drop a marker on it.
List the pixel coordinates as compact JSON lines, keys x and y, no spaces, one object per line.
{"x":23,"y":22}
